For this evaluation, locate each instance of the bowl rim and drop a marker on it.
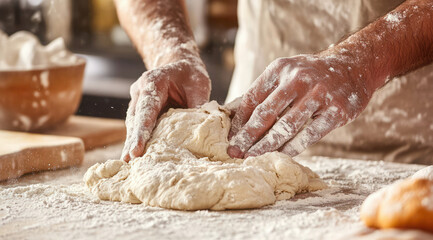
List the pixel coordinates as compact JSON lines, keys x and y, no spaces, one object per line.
{"x":82,"y":61}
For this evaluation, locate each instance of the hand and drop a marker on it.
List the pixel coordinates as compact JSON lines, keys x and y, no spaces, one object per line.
{"x":295,"y":102}
{"x":182,"y":84}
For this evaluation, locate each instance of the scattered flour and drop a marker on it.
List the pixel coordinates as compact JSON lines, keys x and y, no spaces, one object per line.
{"x":56,"y":205}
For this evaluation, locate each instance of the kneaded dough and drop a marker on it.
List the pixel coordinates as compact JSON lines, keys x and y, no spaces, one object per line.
{"x":404,"y":204}
{"x":186,"y":167}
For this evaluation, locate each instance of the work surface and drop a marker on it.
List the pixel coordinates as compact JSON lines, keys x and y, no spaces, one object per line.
{"x":56,"y":205}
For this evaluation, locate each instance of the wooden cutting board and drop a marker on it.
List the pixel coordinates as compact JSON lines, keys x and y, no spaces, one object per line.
{"x":95,"y":132}
{"x":22,"y":153}
{"x":61,"y":147}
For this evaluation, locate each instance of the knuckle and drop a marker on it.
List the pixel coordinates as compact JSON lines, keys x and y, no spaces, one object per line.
{"x":151,"y":88}
{"x":265,"y":113}
{"x":321,"y":89}
{"x":280,"y":61}
{"x":159,"y":80}
{"x":248,"y":100}
{"x":339,"y":106}
{"x":331,"y":119}
{"x":303,"y":71}
{"x":285,"y":128}
{"x":343,"y":110}
{"x":260,"y":119}
{"x":312,"y":104}
{"x":133,"y":90}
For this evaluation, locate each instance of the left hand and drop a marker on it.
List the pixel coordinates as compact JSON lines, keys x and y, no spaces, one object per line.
{"x":295,"y":102}
{"x":183,"y":83}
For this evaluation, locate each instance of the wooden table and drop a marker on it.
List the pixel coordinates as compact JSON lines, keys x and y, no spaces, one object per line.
{"x":56,"y":205}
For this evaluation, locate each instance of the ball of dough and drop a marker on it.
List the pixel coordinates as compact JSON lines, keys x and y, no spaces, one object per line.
{"x":404,"y":204}
{"x":186,"y":167}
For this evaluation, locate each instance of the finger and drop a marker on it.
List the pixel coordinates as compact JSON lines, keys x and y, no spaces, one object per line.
{"x":125,"y":152}
{"x":130,"y":115}
{"x":285,"y":128}
{"x":151,"y":101}
{"x":261,"y":88}
{"x":317,"y":129}
{"x":263,"y":117}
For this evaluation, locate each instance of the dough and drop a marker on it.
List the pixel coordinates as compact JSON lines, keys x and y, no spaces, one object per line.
{"x":186,"y":167}
{"x":404,"y":204}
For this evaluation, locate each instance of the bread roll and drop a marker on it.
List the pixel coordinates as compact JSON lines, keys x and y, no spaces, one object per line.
{"x":406,"y":204}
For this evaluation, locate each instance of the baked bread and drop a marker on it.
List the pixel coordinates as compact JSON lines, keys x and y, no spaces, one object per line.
{"x":406,"y":204}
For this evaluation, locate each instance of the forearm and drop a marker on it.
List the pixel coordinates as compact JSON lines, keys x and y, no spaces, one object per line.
{"x":159,"y":30}
{"x":394,"y":44}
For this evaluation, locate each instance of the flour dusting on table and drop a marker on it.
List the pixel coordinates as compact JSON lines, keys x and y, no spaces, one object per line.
{"x":56,"y":205}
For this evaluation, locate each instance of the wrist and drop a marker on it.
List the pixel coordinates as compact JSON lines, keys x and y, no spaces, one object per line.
{"x":360,"y":63}
{"x":174,"y":52}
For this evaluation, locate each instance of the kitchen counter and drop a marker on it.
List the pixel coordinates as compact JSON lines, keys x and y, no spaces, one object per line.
{"x":56,"y":205}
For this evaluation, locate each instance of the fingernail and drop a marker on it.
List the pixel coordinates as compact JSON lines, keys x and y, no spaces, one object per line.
{"x":136,"y":147}
{"x":123,"y":156}
{"x":135,"y":152}
{"x":126,"y":158}
{"x":234,"y":152}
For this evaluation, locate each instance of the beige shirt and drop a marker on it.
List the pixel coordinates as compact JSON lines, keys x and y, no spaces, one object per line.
{"x":396,"y":125}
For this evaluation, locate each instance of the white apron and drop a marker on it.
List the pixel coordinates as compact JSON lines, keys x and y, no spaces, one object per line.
{"x":396,"y":125}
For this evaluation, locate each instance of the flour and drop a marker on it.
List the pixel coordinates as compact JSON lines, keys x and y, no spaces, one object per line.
{"x":56,"y":205}
{"x":23,"y":51}
{"x":163,"y":32}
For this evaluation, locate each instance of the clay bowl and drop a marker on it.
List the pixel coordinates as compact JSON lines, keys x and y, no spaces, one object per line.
{"x":34,"y":100}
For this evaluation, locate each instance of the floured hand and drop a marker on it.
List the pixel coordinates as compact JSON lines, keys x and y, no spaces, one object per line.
{"x":331,"y":87}
{"x":275,"y":112}
{"x":177,"y":76}
{"x":184,"y":83}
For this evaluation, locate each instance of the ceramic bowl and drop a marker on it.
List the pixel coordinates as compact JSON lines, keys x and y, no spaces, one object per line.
{"x":38,"y":99}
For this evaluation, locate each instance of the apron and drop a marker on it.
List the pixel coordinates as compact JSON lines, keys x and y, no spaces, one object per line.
{"x":395,"y":126}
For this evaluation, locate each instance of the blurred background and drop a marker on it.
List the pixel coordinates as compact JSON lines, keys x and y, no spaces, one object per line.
{"x":91,"y":28}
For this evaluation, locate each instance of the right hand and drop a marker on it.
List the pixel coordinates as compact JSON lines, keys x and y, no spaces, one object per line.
{"x":275,"y":113}
{"x":183,"y":83}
